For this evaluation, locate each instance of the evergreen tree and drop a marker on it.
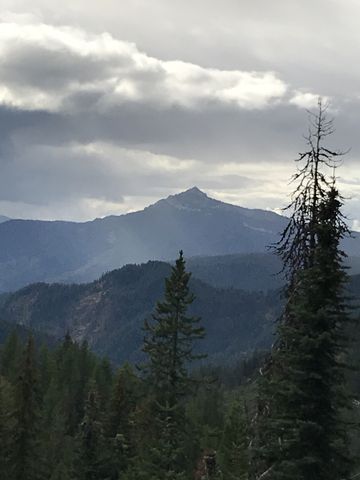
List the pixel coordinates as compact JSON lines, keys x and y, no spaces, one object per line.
{"x":103,"y":378}
{"x":46,"y":369}
{"x":314,"y":177}
{"x":92,"y":451}
{"x":123,"y":400}
{"x":6,"y":427}
{"x":74,"y":369}
{"x":10,"y":356}
{"x":64,"y":386}
{"x":62,"y":449}
{"x":300,"y":432}
{"x":27,"y":456}
{"x":235,"y":442}
{"x":205,"y":411}
{"x":169,"y":345}
{"x":122,"y":421}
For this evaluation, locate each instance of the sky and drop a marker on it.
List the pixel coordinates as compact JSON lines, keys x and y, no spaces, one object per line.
{"x":108,"y":106}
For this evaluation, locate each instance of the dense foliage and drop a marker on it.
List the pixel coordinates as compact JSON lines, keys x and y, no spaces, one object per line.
{"x":66,"y":414}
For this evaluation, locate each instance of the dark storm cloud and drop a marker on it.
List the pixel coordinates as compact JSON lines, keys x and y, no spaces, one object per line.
{"x":214,"y":135}
{"x":35,"y":66}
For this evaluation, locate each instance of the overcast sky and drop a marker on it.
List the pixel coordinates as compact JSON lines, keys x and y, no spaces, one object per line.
{"x":108,"y":105}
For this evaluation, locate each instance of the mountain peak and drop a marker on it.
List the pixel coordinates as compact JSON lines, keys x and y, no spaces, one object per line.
{"x":194,"y":190}
{"x":191,"y":199}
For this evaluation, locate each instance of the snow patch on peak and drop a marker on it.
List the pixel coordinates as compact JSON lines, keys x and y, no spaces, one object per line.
{"x":191,"y":199}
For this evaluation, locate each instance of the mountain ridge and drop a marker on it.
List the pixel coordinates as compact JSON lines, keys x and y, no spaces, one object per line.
{"x":109,"y":313}
{"x":34,"y":251}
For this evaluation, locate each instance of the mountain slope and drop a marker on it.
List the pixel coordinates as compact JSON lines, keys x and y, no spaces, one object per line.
{"x":109,"y":313}
{"x":36,"y":251}
{"x":32,"y":251}
{"x":249,"y":272}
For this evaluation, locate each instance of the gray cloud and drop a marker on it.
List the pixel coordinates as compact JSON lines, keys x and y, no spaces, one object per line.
{"x":43,"y":65}
{"x":312,"y":44}
{"x":209,"y":94}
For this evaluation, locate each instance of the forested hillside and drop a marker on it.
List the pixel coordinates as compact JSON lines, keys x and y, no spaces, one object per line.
{"x":87,"y":420}
{"x":109,"y":313}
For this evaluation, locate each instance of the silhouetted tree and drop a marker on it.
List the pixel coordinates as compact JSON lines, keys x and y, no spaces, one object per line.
{"x":300,"y":433}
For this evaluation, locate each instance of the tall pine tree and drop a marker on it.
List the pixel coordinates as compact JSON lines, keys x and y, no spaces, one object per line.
{"x":234,"y":445}
{"x":169,"y":345}
{"x":300,"y":433}
{"x":6,"y":426}
{"x":27,"y":458}
{"x":93,"y":455}
{"x":122,"y":421}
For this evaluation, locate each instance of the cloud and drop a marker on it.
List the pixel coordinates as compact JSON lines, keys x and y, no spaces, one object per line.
{"x":100,"y":171}
{"x":47,"y":67}
{"x":78,"y":181}
{"x":99,"y":123}
{"x":306,"y":100}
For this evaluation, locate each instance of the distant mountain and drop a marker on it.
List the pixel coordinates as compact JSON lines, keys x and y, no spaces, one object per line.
{"x":4,"y":219}
{"x":34,"y":251}
{"x":109,"y":313}
{"x":249,"y":272}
